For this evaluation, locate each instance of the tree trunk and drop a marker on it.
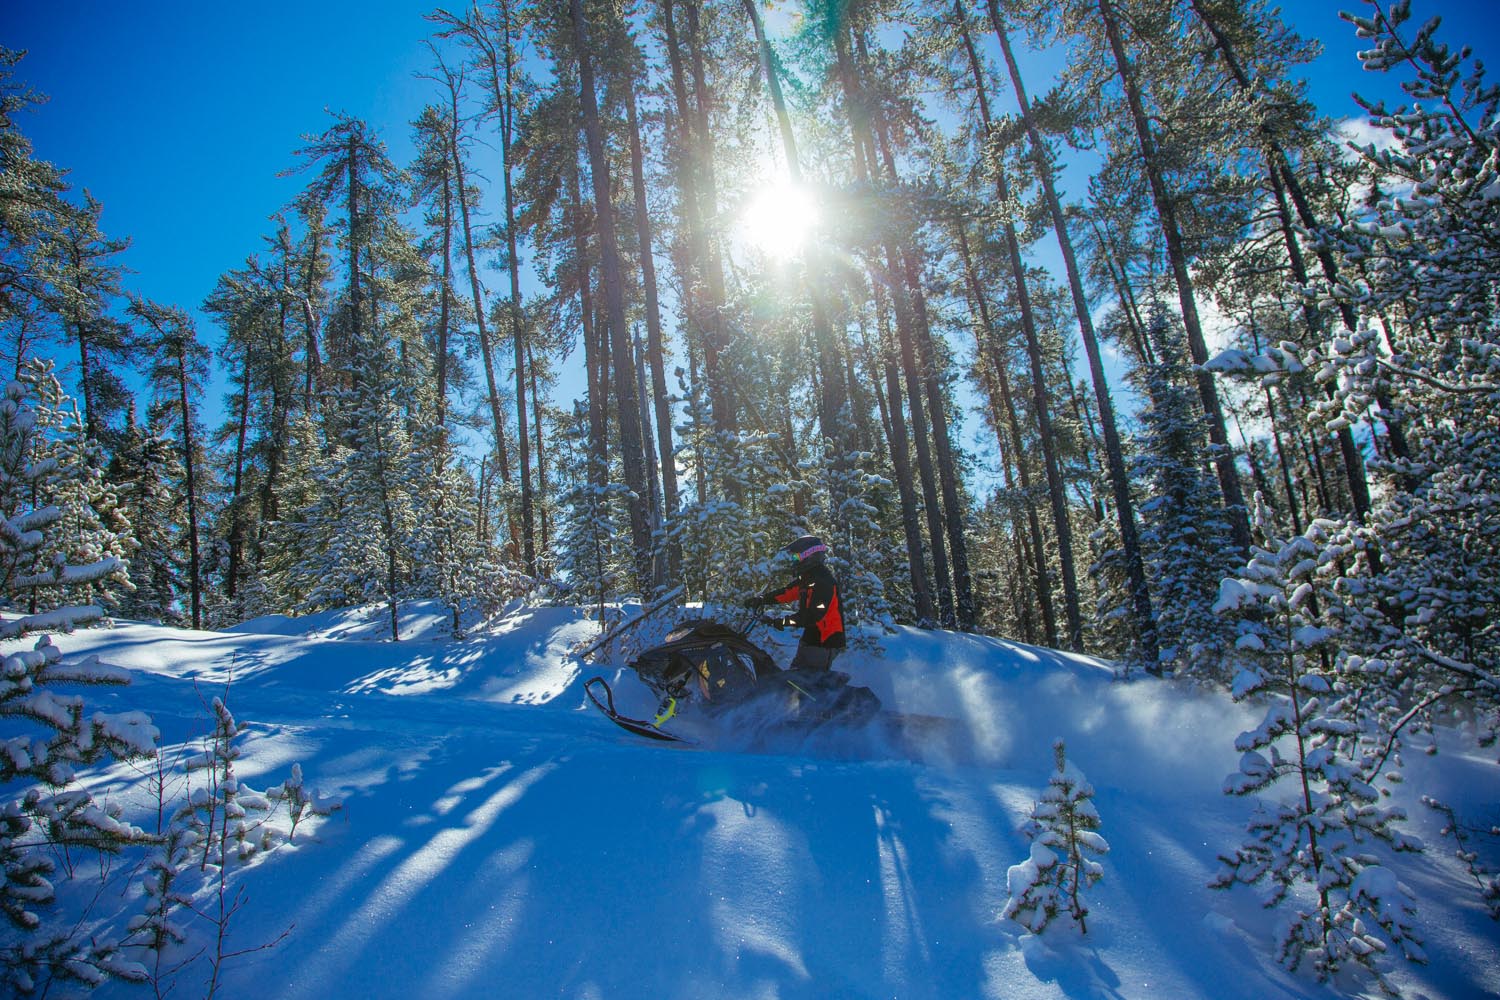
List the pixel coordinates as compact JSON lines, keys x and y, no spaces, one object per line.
{"x":654,"y":347}
{"x":703,"y":275}
{"x":1166,"y":210}
{"x":507,"y":122}
{"x":541,"y":452}
{"x":1277,"y":165}
{"x":598,"y":422}
{"x":895,"y":422}
{"x":497,"y":414}
{"x":1002,"y":376}
{"x":444,"y":297}
{"x":313,"y":375}
{"x":901,"y":463}
{"x":195,"y":575}
{"x":236,"y":509}
{"x":1140,"y":595}
{"x":614,"y":300}
{"x":946,"y":461}
{"x":355,"y":319}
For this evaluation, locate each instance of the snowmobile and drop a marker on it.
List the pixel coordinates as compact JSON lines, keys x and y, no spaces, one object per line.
{"x":706,"y":670}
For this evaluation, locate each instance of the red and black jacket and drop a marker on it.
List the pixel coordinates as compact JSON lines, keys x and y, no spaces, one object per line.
{"x":816,"y":592}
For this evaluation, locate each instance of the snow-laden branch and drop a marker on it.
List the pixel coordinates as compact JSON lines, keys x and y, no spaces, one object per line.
{"x":57,"y":620}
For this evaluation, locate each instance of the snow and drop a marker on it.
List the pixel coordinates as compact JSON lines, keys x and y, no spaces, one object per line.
{"x":497,"y":830}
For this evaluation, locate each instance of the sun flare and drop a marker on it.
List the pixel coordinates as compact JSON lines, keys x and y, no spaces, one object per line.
{"x":778,"y":219}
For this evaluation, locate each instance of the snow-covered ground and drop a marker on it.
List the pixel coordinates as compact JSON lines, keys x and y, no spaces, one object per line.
{"x":502,"y":838}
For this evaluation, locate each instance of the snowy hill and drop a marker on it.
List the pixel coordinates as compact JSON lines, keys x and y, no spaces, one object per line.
{"x":499,"y":837}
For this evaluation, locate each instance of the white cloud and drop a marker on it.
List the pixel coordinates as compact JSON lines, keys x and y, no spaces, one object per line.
{"x":1363,"y":132}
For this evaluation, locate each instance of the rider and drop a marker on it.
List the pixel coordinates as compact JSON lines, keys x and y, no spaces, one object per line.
{"x":816,"y":591}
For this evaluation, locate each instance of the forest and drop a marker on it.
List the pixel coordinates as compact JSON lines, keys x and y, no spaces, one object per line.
{"x":1143,"y":358}
{"x":396,"y":426}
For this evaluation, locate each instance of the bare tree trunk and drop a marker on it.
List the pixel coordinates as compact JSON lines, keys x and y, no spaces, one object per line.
{"x":195,"y":574}
{"x":517,"y":333}
{"x":945,"y":458}
{"x":445,"y":295}
{"x":1135,"y":569}
{"x":1166,"y":210}
{"x":497,"y":414}
{"x":313,"y":374}
{"x":614,"y":300}
{"x":541,"y":451}
{"x":998,"y":366}
{"x":598,"y":422}
{"x":236,"y":509}
{"x":901,"y":462}
{"x":703,"y":277}
{"x":654,"y":345}
{"x":896,"y":430}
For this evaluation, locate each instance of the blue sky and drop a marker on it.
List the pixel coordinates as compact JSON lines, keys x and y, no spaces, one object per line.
{"x":179,"y":115}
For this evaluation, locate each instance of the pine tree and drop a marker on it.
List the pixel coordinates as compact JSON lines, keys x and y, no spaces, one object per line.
{"x":46,"y":817}
{"x":82,"y":561}
{"x":178,"y":375}
{"x":589,"y":558}
{"x":147,"y":468}
{"x":358,"y":533}
{"x":31,"y":215}
{"x":1311,"y":843}
{"x":1062,"y":831}
{"x":1186,"y":538}
{"x":87,"y":284}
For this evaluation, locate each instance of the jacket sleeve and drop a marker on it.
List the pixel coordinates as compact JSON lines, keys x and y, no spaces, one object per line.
{"x":791,"y":592}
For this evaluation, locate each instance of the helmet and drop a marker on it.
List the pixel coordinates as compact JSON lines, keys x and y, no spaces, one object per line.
{"x":809,"y":550}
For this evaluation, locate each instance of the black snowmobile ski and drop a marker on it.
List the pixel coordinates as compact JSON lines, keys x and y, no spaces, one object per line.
{"x":650,"y":730}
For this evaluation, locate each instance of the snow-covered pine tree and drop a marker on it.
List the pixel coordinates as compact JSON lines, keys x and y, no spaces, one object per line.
{"x":293,"y":540}
{"x":82,"y":560}
{"x":144,"y":466}
{"x":1114,"y":633}
{"x":226,"y":821}
{"x":300,"y":801}
{"x":157,"y":928}
{"x":45,"y":816}
{"x":1426,"y":247}
{"x":446,"y":550}
{"x":1185,"y":535}
{"x":862,"y":554}
{"x":1318,"y":815}
{"x":222,"y":824}
{"x":1063,"y":830}
{"x":1416,"y":616}
{"x":354,"y":541}
{"x":590,"y":557}
{"x":729,"y":538}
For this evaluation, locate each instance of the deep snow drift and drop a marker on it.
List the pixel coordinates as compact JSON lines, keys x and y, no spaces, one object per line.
{"x":500,"y":837}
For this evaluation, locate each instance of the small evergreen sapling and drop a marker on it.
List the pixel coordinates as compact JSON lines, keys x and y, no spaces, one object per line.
{"x":1063,"y":830}
{"x":301,"y":803}
{"x":223,"y":823}
{"x":1310,"y":846}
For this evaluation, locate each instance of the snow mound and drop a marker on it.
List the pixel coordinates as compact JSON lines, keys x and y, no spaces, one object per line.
{"x":498,"y":829}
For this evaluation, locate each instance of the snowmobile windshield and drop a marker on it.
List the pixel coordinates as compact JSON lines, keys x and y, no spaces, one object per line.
{"x":704,"y":662}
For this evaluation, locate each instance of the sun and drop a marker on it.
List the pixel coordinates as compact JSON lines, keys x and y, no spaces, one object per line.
{"x":778,"y":219}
